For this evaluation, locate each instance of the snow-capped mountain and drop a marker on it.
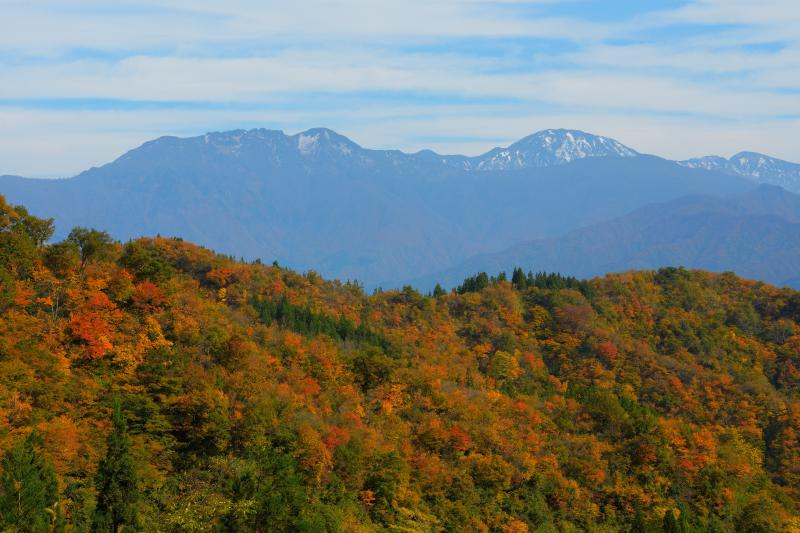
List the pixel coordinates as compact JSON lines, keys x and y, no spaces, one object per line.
{"x":324,"y":147}
{"x":548,"y":148}
{"x":316,"y":199}
{"x":313,"y":142}
{"x":320,"y":150}
{"x":758,"y":167}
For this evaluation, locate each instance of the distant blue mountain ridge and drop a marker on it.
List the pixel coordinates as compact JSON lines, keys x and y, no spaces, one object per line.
{"x":317,"y":200}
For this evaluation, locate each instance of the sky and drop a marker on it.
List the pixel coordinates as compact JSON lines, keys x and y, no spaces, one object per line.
{"x":83,"y":81}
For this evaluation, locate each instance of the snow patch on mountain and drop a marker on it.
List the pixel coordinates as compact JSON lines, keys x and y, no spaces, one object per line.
{"x":548,"y":148}
{"x":307,"y":144}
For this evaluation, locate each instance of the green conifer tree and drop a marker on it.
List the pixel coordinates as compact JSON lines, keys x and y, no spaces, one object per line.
{"x":438,"y":291}
{"x":518,"y":279}
{"x":116,"y":482}
{"x":683,"y":521}
{"x":28,"y":490}
{"x":670,"y":524}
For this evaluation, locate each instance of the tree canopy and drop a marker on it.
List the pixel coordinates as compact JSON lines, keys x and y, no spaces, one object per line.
{"x":255,"y":398}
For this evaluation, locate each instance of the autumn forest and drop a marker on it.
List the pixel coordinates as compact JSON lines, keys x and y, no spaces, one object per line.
{"x":154,"y":385}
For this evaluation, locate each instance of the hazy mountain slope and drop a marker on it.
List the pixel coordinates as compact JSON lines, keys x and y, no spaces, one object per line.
{"x":538,"y":203}
{"x":317,"y":200}
{"x":755,"y":234}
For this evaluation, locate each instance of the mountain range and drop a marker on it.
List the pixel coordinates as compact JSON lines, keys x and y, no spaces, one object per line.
{"x":317,"y":200}
{"x":752,"y":165}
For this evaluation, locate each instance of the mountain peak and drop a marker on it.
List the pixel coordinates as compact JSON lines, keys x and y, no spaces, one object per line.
{"x":327,"y":133}
{"x":551,"y":147}
{"x":236,"y":142}
{"x":326,"y":141}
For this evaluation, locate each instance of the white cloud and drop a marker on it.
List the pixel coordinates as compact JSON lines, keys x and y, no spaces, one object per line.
{"x":265,"y":79}
{"x":51,"y":25}
{"x":688,"y":59}
{"x":680,"y":97}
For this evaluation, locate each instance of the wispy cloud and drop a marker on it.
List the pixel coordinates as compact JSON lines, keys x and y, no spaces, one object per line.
{"x":83,"y":80}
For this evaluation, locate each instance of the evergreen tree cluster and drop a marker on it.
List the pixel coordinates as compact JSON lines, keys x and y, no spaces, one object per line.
{"x":303,"y":320}
{"x":29,"y":496}
{"x":520,"y":281}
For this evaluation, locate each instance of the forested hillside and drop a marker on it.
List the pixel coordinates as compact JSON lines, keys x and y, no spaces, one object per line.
{"x":157,"y":386}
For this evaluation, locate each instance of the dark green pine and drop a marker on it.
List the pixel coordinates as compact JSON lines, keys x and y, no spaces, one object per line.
{"x":117,"y":494}
{"x":28,"y":490}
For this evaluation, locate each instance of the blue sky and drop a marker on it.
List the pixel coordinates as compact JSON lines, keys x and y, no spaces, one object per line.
{"x":82,"y":81}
